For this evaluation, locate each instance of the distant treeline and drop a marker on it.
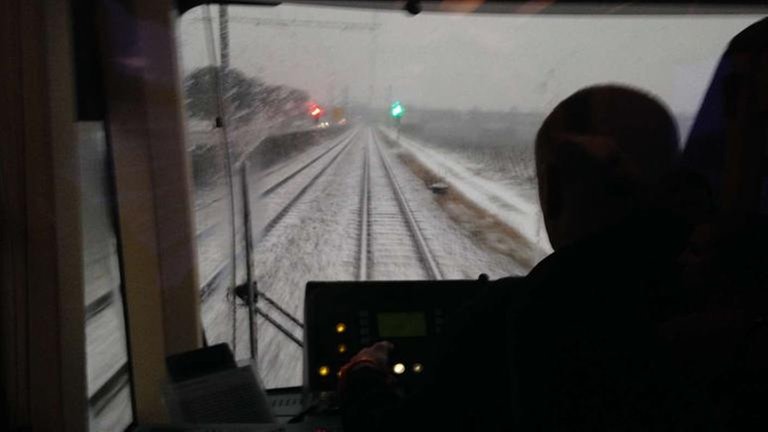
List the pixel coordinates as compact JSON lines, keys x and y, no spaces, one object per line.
{"x":244,"y":97}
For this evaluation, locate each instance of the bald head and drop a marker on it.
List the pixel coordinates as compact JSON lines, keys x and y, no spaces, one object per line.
{"x":600,"y":155}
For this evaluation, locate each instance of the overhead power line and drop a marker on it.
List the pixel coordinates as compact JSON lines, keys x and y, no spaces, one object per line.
{"x":328,"y":25}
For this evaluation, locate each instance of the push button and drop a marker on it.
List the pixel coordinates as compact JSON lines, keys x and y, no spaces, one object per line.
{"x":323,"y":371}
{"x":341,"y":328}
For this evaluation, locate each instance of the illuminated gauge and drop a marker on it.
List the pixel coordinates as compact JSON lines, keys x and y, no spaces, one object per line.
{"x":324,"y":371}
{"x":341,"y":328}
{"x":418,"y":368}
{"x":398,"y":368}
{"x":342,"y":348}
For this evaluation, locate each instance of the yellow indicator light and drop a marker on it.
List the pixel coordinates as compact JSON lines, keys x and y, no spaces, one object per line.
{"x":418,"y":368}
{"x":323,"y":371}
{"x":342,"y":348}
{"x":398,"y":368}
{"x":341,"y":328}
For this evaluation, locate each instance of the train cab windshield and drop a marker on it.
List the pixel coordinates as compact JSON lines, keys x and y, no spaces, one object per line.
{"x":383,"y":215}
{"x":333,"y":143}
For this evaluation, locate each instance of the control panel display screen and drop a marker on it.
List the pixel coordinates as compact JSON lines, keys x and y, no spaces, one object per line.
{"x":401,"y":324}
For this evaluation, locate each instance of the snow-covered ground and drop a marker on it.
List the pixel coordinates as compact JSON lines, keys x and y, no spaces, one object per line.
{"x":515,"y":203}
{"x":224,"y":317}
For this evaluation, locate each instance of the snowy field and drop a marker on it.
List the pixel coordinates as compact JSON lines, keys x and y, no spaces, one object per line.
{"x":508,"y":193}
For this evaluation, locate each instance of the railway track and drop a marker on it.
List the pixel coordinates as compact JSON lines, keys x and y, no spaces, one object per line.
{"x":286,"y":209}
{"x":267,"y":308}
{"x":210,"y":229}
{"x":391,"y":241}
{"x":217,"y":278}
{"x":285,"y":179}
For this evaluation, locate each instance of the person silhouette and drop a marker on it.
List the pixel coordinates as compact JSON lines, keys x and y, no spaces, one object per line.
{"x":574,"y":346}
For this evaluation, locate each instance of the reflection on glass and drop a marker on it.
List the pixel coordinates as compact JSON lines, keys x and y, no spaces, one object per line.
{"x":109,"y":381}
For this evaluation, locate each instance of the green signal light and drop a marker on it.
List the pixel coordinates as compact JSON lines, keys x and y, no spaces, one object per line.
{"x":397,"y":110}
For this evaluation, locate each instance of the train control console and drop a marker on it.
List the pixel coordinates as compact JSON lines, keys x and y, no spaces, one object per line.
{"x":343,"y":317}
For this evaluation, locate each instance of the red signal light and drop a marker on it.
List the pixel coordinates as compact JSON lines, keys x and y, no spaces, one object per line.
{"x":315,"y":110}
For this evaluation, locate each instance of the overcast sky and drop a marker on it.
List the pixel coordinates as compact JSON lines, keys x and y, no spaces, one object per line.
{"x":492,"y":62}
